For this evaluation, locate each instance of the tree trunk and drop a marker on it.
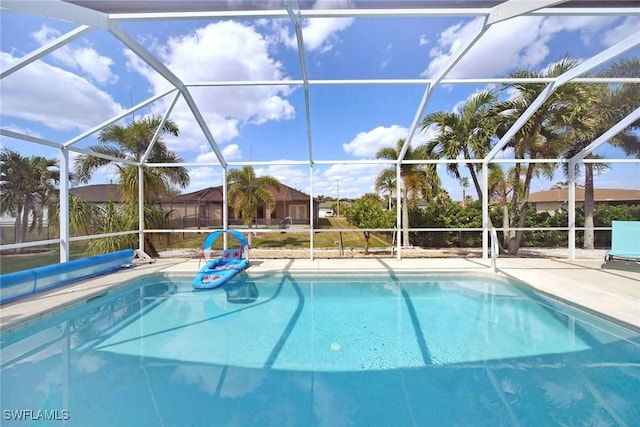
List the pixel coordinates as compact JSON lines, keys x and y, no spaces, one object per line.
{"x":588,"y":206}
{"x":476,"y":183}
{"x":405,"y":218}
{"x":150,"y":248}
{"x":366,"y":242}
{"x":515,"y":242}
{"x":23,"y":226}
{"x":505,"y":225}
{"x":17,"y":232}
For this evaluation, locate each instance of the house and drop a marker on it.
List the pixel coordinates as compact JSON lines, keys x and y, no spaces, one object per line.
{"x":553,"y":200}
{"x":98,"y":194}
{"x":203,"y":208}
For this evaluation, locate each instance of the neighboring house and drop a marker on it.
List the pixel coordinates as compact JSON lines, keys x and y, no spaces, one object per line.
{"x":203,"y":208}
{"x":98,"y":194}
{"x":553,"y":200}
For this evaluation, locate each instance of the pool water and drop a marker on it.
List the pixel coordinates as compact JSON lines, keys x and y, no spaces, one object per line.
{"x":286,"y":350}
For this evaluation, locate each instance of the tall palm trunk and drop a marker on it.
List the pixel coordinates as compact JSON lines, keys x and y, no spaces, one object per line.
{"x":23,"y":225}
{"x":405,"y":217}
{"x":18,"y":227}
{"x":588,"y":206}
{"x":505,"y":224}
{"x":515,"y":242}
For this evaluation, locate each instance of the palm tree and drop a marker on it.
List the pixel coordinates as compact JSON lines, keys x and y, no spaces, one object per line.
{"x":131,"y":142}
{"x":607,"y":106}
{"x":83,"y":215}
{"x":540,"y":137}
{"x":386,"y":184}
{"x":27,"y":187}
{"x":418,"y":180}
{"x":247,"y":193}
{"x":466,"y":134}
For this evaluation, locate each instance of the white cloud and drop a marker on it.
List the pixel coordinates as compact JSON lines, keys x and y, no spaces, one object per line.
{"x":230,"y":152}
{"x":423,"y":40}
{"x":521,"y":42}
{"x":367,"y":144}
{"x":40,"y":93}
{"x":386,"y":55}
{"x":629,"y":25}
{"x":295,"y":177}
{"x":84,"y":59}
{"x":353,"y":180}
{"x":218,"y":52}
{"x":204,"y":177}
{"x":319,"y":34}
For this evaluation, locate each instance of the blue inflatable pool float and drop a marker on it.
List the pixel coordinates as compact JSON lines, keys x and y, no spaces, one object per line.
{"x":219,"y":271}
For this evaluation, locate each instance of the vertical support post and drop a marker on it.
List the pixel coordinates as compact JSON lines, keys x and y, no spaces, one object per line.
{"x":64,"y":204}
{"x":225,"y":204}
{"x":141,"y":208}
{"x":572,"y":209}
{"x":399,"y":212}
{"x":311,"y":212}
{"x":485,"y":210}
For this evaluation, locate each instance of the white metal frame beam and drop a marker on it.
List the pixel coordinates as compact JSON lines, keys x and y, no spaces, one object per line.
{"x":44,"y":50}
{"x":23,"y":137}
{"x":159,"y":67}
{"x":613,"y":131}
{"x":144,"y":157}
{"x":58,"y":9}
{"x":305,"y":78}
{"x":616,"y":129}
{"x":114,"y":119}
{"x":604,"y":56}
{"x":295,"y":18}
{"x":424,"y":12}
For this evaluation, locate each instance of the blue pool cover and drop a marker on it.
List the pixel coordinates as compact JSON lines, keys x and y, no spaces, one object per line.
{"x":21,"y":283}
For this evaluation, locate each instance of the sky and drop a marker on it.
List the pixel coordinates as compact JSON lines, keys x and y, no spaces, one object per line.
{"x":94,"y":78}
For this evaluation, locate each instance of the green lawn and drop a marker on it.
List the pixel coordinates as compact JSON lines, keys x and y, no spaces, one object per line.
{"x":50,"y":254}
{"x":286,"y":239}
{"x":37,"y":256}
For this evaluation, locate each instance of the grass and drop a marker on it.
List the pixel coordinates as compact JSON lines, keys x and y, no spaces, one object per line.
{"x":38,"y":256}
{"x":288,"y":239}
{"x":285,"y":239}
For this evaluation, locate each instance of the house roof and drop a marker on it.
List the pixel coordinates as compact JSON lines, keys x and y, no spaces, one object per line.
{"x":214,"y":194}
{"x":209,"y":194}
{"x":98,"y":193}
{"x":600,"y":195}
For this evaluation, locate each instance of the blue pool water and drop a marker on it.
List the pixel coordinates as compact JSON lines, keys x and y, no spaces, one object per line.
{"x":393,"y":350}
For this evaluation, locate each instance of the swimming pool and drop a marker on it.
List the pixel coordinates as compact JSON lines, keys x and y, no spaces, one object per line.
{"x":376,"y":350}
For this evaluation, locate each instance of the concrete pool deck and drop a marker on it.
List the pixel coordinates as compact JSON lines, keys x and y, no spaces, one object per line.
{"x":613,"y":293}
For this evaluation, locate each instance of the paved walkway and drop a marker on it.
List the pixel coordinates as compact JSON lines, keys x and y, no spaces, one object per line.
{"x":613,"y":293}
